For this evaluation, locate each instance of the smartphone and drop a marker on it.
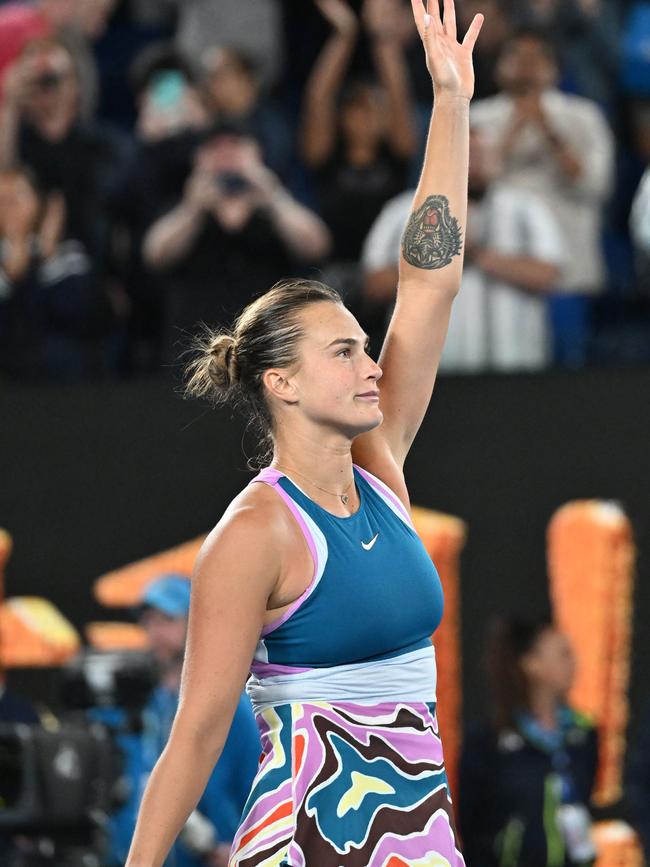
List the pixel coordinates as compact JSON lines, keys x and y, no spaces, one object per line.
{"x":167,"y":90}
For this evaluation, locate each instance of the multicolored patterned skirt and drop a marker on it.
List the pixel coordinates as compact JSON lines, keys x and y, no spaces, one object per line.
{"x":349,"y":785}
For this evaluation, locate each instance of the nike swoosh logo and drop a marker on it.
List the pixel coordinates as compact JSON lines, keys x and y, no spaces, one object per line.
{"x":368,"y":545}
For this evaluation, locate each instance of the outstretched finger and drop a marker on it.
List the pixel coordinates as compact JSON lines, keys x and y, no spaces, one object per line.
{"x":473,"y":31}
{"x":433,"y":14}
{"x":426,"y":23}
{"x":450,"y":19}
{"x":419,"y":16}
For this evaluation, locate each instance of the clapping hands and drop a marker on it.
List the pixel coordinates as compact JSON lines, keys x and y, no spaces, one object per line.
{"x":382,"y":19}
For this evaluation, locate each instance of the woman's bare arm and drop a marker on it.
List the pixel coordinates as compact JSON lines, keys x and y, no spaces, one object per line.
{"x":319,"y":125}
{"x":234,"y":577}
{"x":431,"y":261}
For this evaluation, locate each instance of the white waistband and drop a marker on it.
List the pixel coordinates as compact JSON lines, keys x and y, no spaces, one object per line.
{"x":409,"y":677}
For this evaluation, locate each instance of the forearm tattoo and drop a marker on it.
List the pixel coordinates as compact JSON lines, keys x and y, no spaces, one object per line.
{"x":432,"y":237}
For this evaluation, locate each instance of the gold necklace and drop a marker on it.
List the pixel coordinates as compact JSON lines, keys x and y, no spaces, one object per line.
{"x":344,"y":498}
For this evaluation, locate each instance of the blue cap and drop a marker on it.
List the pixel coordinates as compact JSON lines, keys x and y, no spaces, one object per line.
{"x":169,"y":594}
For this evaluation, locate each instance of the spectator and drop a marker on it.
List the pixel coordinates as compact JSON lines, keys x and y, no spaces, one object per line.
{"x":640,"y":220}
{"x":526,"y":776}
{"x":513,"y":257}
{"x":22,"y":22}
{"x":359,"y":152}
{"x":170,"y":114}
{"x":209,"y":831}
{"x":88,"y":24}
{"x":166,"y":93}
{"x":77,"y":23}
{"x":497,"y":28}
{"x":233,"y":92}
{"x":255,"y":29}
{"x":586,"y":34}
{"x":49,"y":300}
{"x":234,"y":232}
{"x":638,"y":781}
{"x":42,"y":128}
{"x":560,"y":147}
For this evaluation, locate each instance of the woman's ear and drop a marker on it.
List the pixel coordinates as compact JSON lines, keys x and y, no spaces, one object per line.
{"x":279,"y":385}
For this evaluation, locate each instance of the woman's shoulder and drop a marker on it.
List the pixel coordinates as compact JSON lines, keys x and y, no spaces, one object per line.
{"x":257,"y":505}
{"x":256,"y":516}
{"x":252,"y":538}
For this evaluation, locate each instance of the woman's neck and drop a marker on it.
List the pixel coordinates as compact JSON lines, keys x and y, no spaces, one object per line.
{"x":543,"y":706}
{"x":320,"y":465}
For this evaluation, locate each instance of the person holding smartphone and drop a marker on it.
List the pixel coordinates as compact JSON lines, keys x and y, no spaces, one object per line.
{"x":236,"y":228}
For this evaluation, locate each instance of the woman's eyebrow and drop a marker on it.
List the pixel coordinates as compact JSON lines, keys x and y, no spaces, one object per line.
{"x":348,"y":341}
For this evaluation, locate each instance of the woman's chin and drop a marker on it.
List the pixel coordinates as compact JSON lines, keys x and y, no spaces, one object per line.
{"x":371,"y":423}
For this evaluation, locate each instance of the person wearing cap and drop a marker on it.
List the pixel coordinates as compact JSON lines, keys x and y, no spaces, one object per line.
{"x":234,"y":230}
{"x":163,"y":613}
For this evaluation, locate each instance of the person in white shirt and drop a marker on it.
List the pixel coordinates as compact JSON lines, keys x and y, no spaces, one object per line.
{"x":559,"y":146}
{"x":253,"y":27}
{"x":513,"y":258}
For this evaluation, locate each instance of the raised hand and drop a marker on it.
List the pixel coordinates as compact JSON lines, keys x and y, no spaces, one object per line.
{"x":339,"y":15}
{"x":384,"y":19}
{"x":448,"y":61}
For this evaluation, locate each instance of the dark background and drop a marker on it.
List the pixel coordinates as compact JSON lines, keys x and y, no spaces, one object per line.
{"x":94,"y":477}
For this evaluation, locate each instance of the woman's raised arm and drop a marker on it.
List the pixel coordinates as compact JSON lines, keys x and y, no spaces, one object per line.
{"x":431,"y":260}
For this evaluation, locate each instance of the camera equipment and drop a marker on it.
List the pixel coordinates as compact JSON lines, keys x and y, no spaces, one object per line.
{"x":108,"y":679}
{"x":58,"y":788}
{"x":53,"y":780}
{"x":232,"y":184}
{"x":47,"y":80}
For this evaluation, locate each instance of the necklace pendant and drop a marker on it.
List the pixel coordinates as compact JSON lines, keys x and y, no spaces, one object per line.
{"x":344,"y":499}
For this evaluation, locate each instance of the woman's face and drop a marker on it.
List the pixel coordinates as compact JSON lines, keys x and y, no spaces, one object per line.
{"x":335,"y":382}
{"x":51,"y":88}
{"x":363,"y":118}
{"x":230,"y":87}
{"x":525,"y":65}
{"x":551,"y":663}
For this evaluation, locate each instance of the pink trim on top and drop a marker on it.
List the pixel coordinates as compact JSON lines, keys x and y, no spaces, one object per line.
{"x":378,"y":485}
{"x":269,"y":669}
{"x":270,"y":476}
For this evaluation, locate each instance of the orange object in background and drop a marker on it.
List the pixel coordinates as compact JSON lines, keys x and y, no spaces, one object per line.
{"x":34,"y":633}
{"x":116,"y":636}
{"x":6,"y":544}
{"x":444,"y":538}
{"x":617,"y":845}
{"x":123,"y":587}
{"x":591,"y":562}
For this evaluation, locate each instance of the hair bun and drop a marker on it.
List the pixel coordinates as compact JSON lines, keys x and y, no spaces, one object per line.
{"x":222,"y":367}
{"x":213,"y":371}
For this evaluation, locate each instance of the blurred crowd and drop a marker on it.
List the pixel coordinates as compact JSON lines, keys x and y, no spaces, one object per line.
{"x":161,"y":163}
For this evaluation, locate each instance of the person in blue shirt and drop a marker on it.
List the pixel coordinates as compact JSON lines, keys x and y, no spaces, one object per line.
{"x":209,"y":831}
